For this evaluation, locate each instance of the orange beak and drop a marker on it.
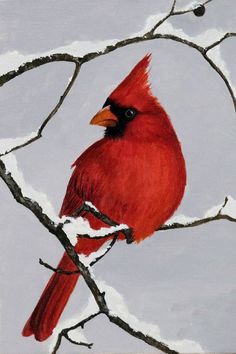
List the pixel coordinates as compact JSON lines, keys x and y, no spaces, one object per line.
{"x":105,"y":118}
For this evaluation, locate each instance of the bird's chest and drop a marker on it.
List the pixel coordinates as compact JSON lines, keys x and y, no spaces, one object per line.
{"x":136,"y":182}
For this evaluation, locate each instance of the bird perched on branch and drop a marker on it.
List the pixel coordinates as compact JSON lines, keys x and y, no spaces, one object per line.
{"x":135,"y":174}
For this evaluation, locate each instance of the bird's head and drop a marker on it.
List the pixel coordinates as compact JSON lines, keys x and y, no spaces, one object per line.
{"x":131,"y":109}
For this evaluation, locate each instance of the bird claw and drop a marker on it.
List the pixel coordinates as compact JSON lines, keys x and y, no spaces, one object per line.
{"x":129,"y":236}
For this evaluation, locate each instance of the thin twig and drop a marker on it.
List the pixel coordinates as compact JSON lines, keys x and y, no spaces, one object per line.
{"x":88,"y":207}
{"x":65,"y":331}
{"x":183,"y":12}
{"x":67,"y":272}
{"x":57,"y":230}
{"x":109,"y":247}
{"x":57,"y":270}
{"x":39,"y":133}
{"x":110,"y":48}
{"x":216,"y":43}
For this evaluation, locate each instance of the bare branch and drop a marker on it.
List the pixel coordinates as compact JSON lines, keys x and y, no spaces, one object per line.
{"x":65,"y":331}
{"x":109,"y":247}
{"x":57,"y":230}
{"x":224,"y":78}
{"x":98,"y":258}
{"x":120,"y":44}
{"x":183,"y":12}
{"x":159,"y":23}
{"x":50,"y":116}
{"x":57,"y":270}
{"x":219,"y":216}
{"x":225,"y":36}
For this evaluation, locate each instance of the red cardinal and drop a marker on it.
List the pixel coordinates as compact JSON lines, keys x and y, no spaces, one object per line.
{"x":136,"y":175}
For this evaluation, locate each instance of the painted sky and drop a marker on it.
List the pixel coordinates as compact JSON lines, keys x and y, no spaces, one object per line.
{"x":183,"y":282}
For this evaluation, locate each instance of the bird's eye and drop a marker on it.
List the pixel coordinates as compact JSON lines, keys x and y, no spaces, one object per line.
{"x":130,"y":113}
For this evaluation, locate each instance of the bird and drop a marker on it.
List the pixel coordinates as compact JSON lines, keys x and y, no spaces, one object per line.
{"x":135,"y":174}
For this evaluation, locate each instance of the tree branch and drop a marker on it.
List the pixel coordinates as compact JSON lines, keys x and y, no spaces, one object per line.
{"x":120,"y":44}
{"x":65,"y":331}
{"x":96,"y":259}
{"x":225,"y":36}
{"x":39,"y":133}
{"x":89,"y":207}
{"x":57,"y":230}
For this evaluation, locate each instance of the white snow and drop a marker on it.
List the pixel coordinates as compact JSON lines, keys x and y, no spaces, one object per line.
{"x":228,"y":209}
{"x":8,"y":143}
{"x":215,"y":55}
{"x":12,"y":60}
{"x":91,"y":205}
{"x":119,"y":308}
{"x":76,"y":334}
{"x":181,"y":219}
{"x":27,"y":190}
{"x":87,"y":260}
{"x":149,"y":24}
{"x":81,"y":226}
{"x":190,"y":6}
{"x":74,"y":226}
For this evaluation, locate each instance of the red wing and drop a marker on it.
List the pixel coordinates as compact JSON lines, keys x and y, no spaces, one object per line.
{"x":72,"y":200}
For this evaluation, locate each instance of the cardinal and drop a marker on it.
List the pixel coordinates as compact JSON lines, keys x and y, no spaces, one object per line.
{"x":135,"y":174}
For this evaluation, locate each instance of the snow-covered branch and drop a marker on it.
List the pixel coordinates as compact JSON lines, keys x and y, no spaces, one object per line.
{"x":67,"y":229}
{"x":107,"y":47}
{"x":225,"y":211}
{"x":65,"y":333}
{"x":58,"y":232}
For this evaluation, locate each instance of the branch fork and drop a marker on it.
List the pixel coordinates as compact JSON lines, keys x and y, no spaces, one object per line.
{"x":57,"y":229}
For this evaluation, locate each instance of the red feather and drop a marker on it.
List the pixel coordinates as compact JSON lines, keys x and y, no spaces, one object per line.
{"x":137,"y":179}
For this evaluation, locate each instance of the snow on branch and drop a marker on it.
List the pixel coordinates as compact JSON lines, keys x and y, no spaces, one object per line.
{"x":58,"y":232}
{"x":154,"y":22}
{"x":75,"y":53}
{"x":224,"y":211}
{"x":13,"y":180}
{"x":66,"y":230}
{"x":119,"y":308}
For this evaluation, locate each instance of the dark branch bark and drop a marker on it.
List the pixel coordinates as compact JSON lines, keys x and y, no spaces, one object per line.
{"x":65,"y":331}
{"x":39,"y":133}
{"x":57,"y":229}
{"x":87,"y":207}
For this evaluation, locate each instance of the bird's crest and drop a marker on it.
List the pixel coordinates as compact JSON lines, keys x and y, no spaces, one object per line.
{"x":135,"y":88}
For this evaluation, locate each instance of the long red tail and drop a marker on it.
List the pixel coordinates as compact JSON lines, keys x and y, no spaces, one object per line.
{"x":54,"y":298}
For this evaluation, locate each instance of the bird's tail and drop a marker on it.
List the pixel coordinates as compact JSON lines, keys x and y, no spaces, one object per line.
{"x":51,"y":304}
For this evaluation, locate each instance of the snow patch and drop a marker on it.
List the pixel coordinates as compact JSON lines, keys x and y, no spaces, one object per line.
{"x":119,"y":308}
{"x":12,"y":60}
{"x":76,"y":334}
{"x":73,"y":227}
{"x":26,"y":189}
{"x":149,"y":24}
{"x":181,"y":219}
{"x":228,"y":209}
{"x":215,"y":55}
{"x":9,"y":143}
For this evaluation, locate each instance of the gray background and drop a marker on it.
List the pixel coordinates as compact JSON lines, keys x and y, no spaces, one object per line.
{"x":187,"y":284}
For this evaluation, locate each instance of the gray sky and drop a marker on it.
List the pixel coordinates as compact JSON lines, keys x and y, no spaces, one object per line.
{"x":187,"y":283}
